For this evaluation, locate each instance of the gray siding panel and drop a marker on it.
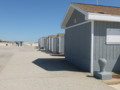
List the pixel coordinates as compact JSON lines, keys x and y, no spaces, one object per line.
{"x":41,"y":42}
{"x":77,"y":46}
{"x":54,"y":45}
{"x":102,"y":50}
{"x":76,"y":15}
{"x":61,"y":45}
{"x":46,"y":44}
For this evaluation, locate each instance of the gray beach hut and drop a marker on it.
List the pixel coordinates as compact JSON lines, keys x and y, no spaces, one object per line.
{"x":46,"y":43}
{"x":41,"y":43}
{"x":54,"y":43}
{"x":49,"y":42}
{"x":92,"y":32}
{"x":60,"y":43}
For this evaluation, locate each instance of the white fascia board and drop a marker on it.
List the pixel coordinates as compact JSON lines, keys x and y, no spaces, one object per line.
{"x":67,"y":16}
{"x":69,"y":13}
{"x":103,"y":17}
{"x":92,"y":46}
{"x":77,"y":25}
{"x":78,"y":9}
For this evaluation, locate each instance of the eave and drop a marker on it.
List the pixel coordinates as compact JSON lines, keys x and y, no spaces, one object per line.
{"x":89,"y":16}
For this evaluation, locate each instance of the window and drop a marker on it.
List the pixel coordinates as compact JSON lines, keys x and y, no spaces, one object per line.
{"x":113,"y":36}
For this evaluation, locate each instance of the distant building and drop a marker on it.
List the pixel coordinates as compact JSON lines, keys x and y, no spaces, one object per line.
{"x":46,"y":43}
{"x":6,"y":43}
{"x":41,"y":43}
{"x":60,"y":43}
{"x":92,"y":32}
{"x":53,"y":44}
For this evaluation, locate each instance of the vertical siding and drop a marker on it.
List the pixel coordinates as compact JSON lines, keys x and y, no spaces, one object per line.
{"x":54,"y":45}
{"x":41,"y":43}
{"x":46,"y":44}
{"x":76,"y":15}
{"x":61,"y":44}
{"x":77,"y":46}
{"x":57,"y":45}
{"x":49,"y":42}
{"x":102,"y":50}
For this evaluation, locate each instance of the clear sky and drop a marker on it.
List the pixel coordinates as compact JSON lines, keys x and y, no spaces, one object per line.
{"x":27,"y":20}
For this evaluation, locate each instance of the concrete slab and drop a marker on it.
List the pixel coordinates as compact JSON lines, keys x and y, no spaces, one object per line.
{"x":29,"y":69}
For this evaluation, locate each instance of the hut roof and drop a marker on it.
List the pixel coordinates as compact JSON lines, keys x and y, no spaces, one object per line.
{"x":93,"y":12}
{"x":98,"y":8}
{"x":53,"y":36}
{"x":60,"y":34}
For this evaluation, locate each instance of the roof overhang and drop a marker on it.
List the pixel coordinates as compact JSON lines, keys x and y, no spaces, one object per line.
{"x":89,"y":16}
{"x":69,"y":13}
{"x":103,"y":17}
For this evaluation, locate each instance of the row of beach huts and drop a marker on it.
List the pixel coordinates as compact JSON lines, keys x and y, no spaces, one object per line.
{"x":91,"y":32}
{"x":52,"y":43}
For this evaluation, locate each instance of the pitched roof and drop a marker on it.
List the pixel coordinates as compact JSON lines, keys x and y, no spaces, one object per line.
{"x":92,"y":12}
{"x":53,"y":36}
{"x":61,"y":34}
{"x":98,"y":9}
{"x":43,"y":37}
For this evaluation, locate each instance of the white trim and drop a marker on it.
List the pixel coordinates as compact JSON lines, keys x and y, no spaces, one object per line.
{"x":77,"y":25}
{"x":103,"y":17}
{"x":89,"y":16}
{"x":67,"y":16}
{"x":92,"y":46}
{"x":69,"y":13}
{"x":112,"y":36}
{"x":80,"y":10}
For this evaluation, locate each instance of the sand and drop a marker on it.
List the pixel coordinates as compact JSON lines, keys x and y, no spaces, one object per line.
{"x":26,"y":68}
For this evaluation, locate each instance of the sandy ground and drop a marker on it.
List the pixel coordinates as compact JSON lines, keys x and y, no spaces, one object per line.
{"x":117,"y":86}
{"x":25,"y":68}
{"x":5,"y":56}
{"x":114,"y":82}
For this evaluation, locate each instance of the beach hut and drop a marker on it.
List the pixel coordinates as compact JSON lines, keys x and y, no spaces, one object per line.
{"x":92,"y":32}
{"x":46,"y":43}
{"x":50,"y":43}
{"x":41,"y":43}
{"x":60,"y":43}
{"x":54,"y":43}
{"x":38,"y":43}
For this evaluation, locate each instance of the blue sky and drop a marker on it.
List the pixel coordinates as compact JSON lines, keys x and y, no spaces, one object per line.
{"x":27,"y":20}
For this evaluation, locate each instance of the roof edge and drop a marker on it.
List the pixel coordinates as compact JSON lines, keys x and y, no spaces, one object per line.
{"x":103,"y":17}
{"x":67,"y":16}
{"x":95,"y":5}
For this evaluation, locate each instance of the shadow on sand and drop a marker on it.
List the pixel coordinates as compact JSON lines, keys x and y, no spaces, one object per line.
{"x":55,"y":64}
